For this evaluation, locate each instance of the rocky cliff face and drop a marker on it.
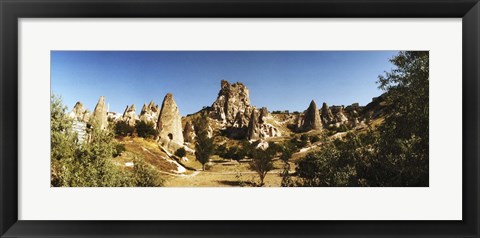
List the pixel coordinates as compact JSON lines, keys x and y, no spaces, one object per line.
{"x":233,"y":111}
{"x":189,"y":132}
{"x":311,"y":120}
{"x":130,"y":116}
{"x":169,"y":124}
{"x":99,"y":117}
{"x":259,"y":127}
{"x":339,"y":114}
{"x":232,"y":99}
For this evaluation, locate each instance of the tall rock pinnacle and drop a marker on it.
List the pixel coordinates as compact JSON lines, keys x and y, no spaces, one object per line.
{"x":169,"y":124}
{"x":311,"y":120}
{"x":78,"y":113}
{"x":100,"y":114}
{"x":130,"y":116}
{"x":253,"y":132}
{"x":326,"y":114}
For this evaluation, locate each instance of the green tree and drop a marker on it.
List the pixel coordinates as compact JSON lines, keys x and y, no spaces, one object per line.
{"x":93,"y":166}
{"x":262,"y":162}
{"x":204,"y":146}
{"x":287,"y":151}
{"x":62,"y":140}
{"x":88,"y":164}
{"x":403,"y":149}
{"x":394,"y":154}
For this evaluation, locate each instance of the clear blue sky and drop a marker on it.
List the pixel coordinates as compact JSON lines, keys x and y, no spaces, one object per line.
{"x":278,"y":80}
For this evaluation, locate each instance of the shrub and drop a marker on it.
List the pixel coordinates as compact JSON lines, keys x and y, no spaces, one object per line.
{"x":314,"y":139}
{"x":146,"y":129}
{"x":119,"y":149}
{"x":181,"y":152}
{"x":221,"y":151}
{"x":123,"y":129}
{"x":145,"y":176}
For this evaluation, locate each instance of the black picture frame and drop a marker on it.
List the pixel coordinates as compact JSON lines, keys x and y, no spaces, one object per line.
{"x":11,"y":11}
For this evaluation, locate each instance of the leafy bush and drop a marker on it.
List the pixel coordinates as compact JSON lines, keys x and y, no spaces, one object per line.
{"x":304,"y":137}
{"x":299,"y":143}
{"x":123,"y":129}
{"x":181,"y":152}
{"x":314,"y":139}
{"x":119,"y":149}
{"x":89,"y":164}
{"x":221,"y":151}
{"x":144,"y":175}
{"x":146,"y":129}
{"x":333,"y":165}
{"x":397,"y":154}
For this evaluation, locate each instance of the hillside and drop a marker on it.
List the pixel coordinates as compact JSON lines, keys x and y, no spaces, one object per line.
{"x":235,"y":126}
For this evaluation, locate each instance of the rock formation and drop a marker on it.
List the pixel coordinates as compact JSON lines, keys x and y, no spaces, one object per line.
{"x":189,"y":132}
{"x":113,"y":116}
{"x":129,"y":115}
{"x":311,"y":120}
{"x":100,"y":114}
{"x":263,"y":115}
{"x":340,"y":117}
{"x":78,"y":113}
{"x":149,"y":113}
{"x":169,"y":124}
{"x":253,"y":130}
{"x":233,"y":113}
{"x":258,"y":126}
{"x":232,"y":98}
{"x":326,"y":114}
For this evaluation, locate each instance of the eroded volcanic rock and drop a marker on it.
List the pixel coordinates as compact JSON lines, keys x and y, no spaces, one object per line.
{"x":339,"y":114}
{"x":99,"y":117}
{"x":79,"y":113}
{"x":258,"y":126}
{"x":169,"y":124}
{"x":150,"y":113}
{"x":233,"y":113}
{"x":231,"y":99}
{"x":311,"y":120}
{"x":253,"y":128}
{"x":130,"y":116}
{"x":326,"y":114}
{"x":189,"y":132}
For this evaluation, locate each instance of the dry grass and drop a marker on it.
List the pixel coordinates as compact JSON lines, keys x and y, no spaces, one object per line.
{"x":147,"y":150}
{"x":223,"y":179}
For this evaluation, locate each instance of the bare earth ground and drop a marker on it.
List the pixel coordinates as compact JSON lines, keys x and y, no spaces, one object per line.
{"x":187,"y":172}
{"x":227,"y":174}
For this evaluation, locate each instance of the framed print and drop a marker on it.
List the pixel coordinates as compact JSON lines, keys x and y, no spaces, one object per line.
{"x":276,"y":118}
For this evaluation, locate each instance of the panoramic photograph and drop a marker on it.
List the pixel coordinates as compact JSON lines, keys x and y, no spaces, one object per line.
{"x":239,"y":119}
